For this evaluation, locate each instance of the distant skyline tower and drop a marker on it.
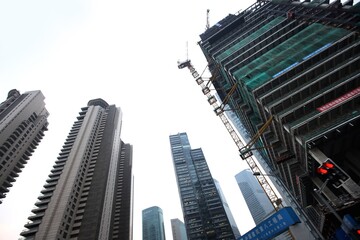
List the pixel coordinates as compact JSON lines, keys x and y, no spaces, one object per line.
{"x":204,"y":214}
{"x":89,"y":192}
{"x":153,"y":224}
{"x":227,"y":210}
{"x":23,"y":121}
{"x":257,"y":201}
{"x":178,"y":229}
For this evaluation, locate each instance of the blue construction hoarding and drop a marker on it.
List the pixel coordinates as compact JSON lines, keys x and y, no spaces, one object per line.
{"x":349,"y":229}
{"x":272,"y":226}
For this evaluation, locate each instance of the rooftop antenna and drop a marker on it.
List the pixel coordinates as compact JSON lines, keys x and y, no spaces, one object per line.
{"x":207,"y":19}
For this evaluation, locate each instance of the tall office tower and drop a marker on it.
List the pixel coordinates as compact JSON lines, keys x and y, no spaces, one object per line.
{"x":258,"y":203}
{"x":153,"y":224}
{"x":178,"y":229}
{"x":89,"y":192}
{"x":296,"y":64}
{"x":23,"y":121}
{"x":227,"y":210}
{"x":204,"y":214}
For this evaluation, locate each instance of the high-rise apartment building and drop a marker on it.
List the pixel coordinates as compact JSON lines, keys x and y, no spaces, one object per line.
{"x":258,"y":203}
{"x":153,"y":224}
{"x":89,"y":192}
{"x":178,"y":229}
{"x":204,"y":213}
{"x":23,"y":121}
{"x":297,"y":64}
{"x":227,"y":210}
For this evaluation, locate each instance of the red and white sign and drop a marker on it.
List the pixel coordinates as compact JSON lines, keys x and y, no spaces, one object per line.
{"x":339,"y":100}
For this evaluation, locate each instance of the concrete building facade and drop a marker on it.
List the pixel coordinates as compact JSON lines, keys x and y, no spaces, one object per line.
{"x":89,"y":192}
{"x":23,"y":121}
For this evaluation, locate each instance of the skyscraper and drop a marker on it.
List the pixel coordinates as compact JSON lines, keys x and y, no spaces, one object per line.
{"x":296,"y":65}
{"x":204,"y":214}
{"x":153,"y":224}
{"x":178,"y":229}
{"x":23,"y":121}
{"x":89,"y":192}
{"x":227,"y":210}
{"x":258,"y":203}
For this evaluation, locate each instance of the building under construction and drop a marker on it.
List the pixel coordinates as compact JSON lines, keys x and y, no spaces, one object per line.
{"x":296,"y":66}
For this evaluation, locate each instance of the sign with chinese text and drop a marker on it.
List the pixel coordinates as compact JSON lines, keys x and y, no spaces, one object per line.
{"x":272,"y":226}
{"x":339,"y":100}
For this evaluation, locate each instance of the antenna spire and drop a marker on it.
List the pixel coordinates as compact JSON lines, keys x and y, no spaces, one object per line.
{"x":207,"y":19}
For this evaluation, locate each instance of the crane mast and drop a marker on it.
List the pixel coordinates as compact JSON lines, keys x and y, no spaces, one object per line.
{"x":219,"y":111}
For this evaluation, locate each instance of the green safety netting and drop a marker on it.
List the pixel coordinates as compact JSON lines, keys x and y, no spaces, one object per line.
{"x":249,"y":38}
{"x":287,"y":54}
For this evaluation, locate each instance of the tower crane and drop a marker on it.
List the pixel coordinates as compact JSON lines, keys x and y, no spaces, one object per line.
{"x":245,"y":149}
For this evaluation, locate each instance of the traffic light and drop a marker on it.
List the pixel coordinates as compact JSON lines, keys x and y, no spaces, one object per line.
{"x":334,"y":173}
{"x":325,"y":168}
{"x":350,"y":228}
{"x":355,"y":233}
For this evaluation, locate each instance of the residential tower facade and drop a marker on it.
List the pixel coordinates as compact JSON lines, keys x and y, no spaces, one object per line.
{"x":23,"y":121}
{"x":89,"y":192}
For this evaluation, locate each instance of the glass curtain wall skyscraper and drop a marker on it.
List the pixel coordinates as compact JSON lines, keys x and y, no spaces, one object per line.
{"x":204,"y":214}
{"x":178,"y":229}
{"x":23,"y":121}
{"x":258,"y":203}
{"x":89,"y":192}
{"x":153,"y":224}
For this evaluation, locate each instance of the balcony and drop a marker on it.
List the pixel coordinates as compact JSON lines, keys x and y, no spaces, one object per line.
{"x":28,"y":232}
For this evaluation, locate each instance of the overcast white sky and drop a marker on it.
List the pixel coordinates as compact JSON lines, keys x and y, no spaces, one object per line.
{"x":125,"y":52}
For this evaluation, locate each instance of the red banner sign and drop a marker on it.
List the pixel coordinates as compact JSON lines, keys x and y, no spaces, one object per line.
{"x":339,"y":100}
